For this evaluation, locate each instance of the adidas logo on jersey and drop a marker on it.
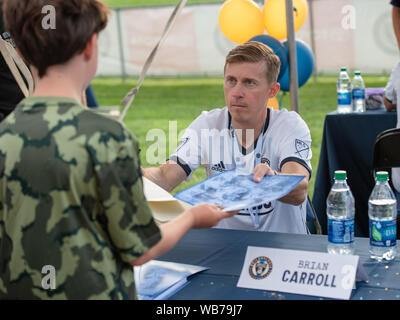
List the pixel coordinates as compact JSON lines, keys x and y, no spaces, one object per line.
{"x":218,"y":167}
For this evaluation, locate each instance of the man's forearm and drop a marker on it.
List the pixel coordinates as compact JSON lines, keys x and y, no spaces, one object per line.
{"x":167,"y":176}
{"x":156,"y":175}
{"x":297,"y":196}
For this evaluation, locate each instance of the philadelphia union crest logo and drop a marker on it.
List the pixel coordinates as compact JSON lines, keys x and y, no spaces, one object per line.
{"x":260,"y":268}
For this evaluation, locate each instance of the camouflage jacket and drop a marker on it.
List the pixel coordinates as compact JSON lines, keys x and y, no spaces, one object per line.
{"x":71,"y":197}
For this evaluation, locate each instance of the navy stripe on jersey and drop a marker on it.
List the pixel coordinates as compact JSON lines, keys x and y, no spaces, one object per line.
{"x":183,"y":165}
{"x":299,"y":161}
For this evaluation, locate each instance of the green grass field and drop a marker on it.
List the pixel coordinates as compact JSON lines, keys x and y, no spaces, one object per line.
{"x":161,"y":100}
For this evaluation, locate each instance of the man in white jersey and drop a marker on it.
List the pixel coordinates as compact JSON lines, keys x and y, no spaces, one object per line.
{"x":250,"y":137}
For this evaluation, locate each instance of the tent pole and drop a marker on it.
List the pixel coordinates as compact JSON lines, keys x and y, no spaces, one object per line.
{"x":294,"y":82}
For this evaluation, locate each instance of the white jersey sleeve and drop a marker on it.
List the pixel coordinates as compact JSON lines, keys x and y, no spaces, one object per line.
{"x":294,"y":140}
{"x":188,"y":152}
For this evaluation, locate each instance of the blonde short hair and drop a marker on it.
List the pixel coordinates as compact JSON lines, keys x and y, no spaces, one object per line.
{"x":254,"y":51}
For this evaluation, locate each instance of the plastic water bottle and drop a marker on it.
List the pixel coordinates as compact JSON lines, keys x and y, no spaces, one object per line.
{"x":340,"y":211}
{"x":382,"y":214}
{"x":358,"y":93}
{"x":343,"y":88}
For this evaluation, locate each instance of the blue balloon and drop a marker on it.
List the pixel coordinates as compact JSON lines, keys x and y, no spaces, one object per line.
{"x":278,"y":49}
{"x":305,"y":65}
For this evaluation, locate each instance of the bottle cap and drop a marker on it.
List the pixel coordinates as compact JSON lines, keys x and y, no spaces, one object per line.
{"x":357,"y":73}
{"x":340,"y":175}
{"x":343,"y":69}
{"x":382,"y":176}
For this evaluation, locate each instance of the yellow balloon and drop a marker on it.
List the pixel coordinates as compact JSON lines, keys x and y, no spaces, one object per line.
{"x":240,"y":20}
{"x":273,"y":102}
{"x":275,"y":16}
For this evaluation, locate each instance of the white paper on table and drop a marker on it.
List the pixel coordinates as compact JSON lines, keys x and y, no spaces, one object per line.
{"x":164,"y":206}
{"x":157,"y":280}
{"x":153,"y":192}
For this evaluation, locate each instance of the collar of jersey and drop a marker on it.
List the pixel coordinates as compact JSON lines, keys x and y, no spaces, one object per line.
{"x":254,"y":145}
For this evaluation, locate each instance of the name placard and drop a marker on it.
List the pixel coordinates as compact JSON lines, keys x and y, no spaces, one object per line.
{"x":301,"y":272}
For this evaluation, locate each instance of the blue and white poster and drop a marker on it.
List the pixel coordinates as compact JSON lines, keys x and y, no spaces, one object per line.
{"x":233,"y":191}
{"x":158,"y":280}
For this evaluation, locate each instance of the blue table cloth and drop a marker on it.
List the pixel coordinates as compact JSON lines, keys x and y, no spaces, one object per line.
{"x":223,"y":252}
